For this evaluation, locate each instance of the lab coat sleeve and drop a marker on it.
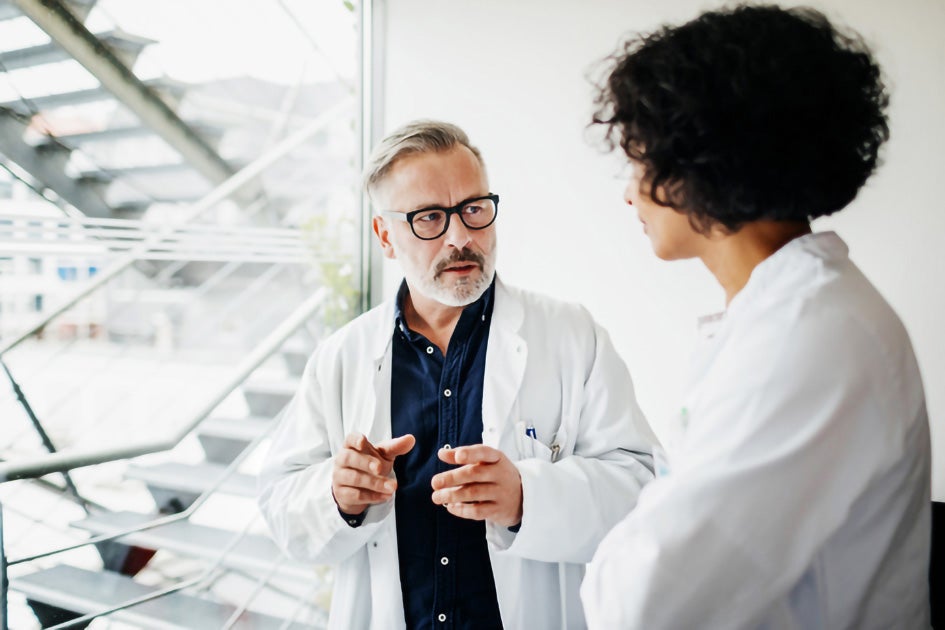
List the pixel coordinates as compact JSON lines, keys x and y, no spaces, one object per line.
{"x":791,"y":435}
{"x":295,"y":483}
{"x":569,"y":505}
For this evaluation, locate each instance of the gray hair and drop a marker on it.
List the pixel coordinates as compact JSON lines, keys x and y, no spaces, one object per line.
{"x":419,"y":136}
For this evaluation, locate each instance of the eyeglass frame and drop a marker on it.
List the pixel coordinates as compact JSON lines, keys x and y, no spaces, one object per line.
{"x":457,"y":209}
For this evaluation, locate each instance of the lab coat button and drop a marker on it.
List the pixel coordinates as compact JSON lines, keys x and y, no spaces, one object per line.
{"x":441,"y":617}
{"x":444,"y":561}
{"x":447,"y":393}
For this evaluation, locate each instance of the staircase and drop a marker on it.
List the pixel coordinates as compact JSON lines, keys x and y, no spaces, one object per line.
{"x":235,"y":548}
{"x":194,"y":255}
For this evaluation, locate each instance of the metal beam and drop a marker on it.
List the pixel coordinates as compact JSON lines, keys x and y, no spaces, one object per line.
{"x":48,"y":167}
{"x":104,"y":65}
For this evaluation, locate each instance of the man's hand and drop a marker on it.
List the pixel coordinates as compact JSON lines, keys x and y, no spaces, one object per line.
{"x":487,"y":486}
{"x":360,"y":476}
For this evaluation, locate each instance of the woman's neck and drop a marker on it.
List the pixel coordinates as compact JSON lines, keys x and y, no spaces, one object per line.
{"x":731,"y":257}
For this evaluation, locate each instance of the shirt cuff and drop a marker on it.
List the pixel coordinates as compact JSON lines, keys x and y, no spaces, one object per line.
{"x":353,"y":520}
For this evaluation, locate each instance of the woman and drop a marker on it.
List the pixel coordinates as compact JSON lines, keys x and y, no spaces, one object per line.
{"x":799,"y":496}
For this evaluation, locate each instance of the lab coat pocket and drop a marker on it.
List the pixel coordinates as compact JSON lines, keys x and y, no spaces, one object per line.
{"x":529,"y":446}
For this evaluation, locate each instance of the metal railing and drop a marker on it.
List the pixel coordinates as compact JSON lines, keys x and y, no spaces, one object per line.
{"x":218,"y":194}
{"x":64,"y":461}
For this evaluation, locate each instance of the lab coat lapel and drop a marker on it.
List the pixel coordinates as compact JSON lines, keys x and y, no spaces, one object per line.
{"x":506,"y":356}
{"x":376,"y":423}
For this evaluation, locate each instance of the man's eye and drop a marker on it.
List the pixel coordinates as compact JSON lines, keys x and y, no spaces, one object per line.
{"x":428,"y":217}
{"x":472,"y":210}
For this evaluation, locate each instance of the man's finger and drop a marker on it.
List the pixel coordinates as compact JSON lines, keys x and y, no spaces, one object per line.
{"x":350,"y":458}
{"x":358,"y":479}
{"x":347,"y":495}
{"x":471,"y":511}
{"x":470,"y":473}
{"x":389,"y":449}
{"x":474,"y":454}
{"x":476,"y":492}
{"x":360,"y":443}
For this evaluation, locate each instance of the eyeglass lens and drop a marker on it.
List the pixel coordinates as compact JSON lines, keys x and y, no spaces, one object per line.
{"x":475,"y":215}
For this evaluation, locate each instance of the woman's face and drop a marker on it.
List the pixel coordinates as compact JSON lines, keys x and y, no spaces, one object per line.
{"x":671,"y":235}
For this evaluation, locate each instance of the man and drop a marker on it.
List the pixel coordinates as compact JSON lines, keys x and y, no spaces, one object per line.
{"x":798,"y":497}
{"x":517,"y":442}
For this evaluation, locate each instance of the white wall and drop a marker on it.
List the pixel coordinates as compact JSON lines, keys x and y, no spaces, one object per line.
{"x":513,"y":75}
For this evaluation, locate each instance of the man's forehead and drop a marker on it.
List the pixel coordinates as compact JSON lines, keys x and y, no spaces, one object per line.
{"x":441,"y":178}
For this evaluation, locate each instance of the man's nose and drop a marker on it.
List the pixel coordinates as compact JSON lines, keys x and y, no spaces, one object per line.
{"x":457,"y":234}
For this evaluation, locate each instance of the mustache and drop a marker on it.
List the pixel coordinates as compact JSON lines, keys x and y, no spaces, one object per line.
{"x":458,"y":256}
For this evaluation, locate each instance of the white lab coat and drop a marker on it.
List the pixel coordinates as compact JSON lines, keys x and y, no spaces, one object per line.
{"x":548,"y":364}
{"x":799,"y":495}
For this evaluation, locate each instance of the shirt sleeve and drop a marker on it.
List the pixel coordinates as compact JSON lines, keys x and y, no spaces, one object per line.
{"x":790,"y":430}
{"x":295,"y":483}
{"x":570,"y":504}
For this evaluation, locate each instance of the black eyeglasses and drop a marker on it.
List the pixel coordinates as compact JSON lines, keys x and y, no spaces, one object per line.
{"x":427,"y":224}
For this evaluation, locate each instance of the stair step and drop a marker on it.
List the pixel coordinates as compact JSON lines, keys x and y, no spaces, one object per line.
{"x":86,"y":591}
{"x":173,"y":479}
{"x":136,"y":171}
{"x":237,"y":428}
{"x":251,"y":553}
{"x":125,"y":46}
{"x":267,"y":398}
{"x":169,"y":90}
{"x":116,"y":134}
{"x":296,"y":353}
{"x":223,"y":439}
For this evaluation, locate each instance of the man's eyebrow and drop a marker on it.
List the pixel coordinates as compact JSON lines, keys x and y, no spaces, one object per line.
{"x":436,"y":206}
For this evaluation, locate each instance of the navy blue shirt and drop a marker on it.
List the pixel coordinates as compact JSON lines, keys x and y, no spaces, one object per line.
{"x":445,"y":571}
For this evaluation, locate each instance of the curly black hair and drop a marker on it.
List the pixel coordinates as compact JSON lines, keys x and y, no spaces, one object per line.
{"x":752,"y":112}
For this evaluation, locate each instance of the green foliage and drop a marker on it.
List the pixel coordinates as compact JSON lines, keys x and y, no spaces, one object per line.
{"x":335,"y":266}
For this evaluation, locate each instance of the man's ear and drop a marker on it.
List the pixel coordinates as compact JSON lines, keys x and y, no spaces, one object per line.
{"x":382,"y":233}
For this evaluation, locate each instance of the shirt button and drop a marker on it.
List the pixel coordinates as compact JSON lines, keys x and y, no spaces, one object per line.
{"x":441,"y":617}
{"x":447,"y":446}
{"x":447,"y":393}
{"x":429,"y":349}
{"x":444,"y":561}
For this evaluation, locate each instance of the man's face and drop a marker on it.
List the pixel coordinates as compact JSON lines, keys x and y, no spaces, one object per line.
{"x":456,"y":268}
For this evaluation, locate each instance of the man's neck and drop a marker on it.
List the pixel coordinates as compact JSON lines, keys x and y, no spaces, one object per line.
{"x":432,"y":319}
{"x":732,"y":257}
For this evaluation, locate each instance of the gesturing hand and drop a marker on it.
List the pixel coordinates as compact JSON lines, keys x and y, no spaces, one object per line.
{"x":360,"y":478}
{"x":486,"y":486}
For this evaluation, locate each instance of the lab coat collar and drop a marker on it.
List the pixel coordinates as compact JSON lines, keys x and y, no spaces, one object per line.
{"x":507,"y":315}
{"x":826,"y":246}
